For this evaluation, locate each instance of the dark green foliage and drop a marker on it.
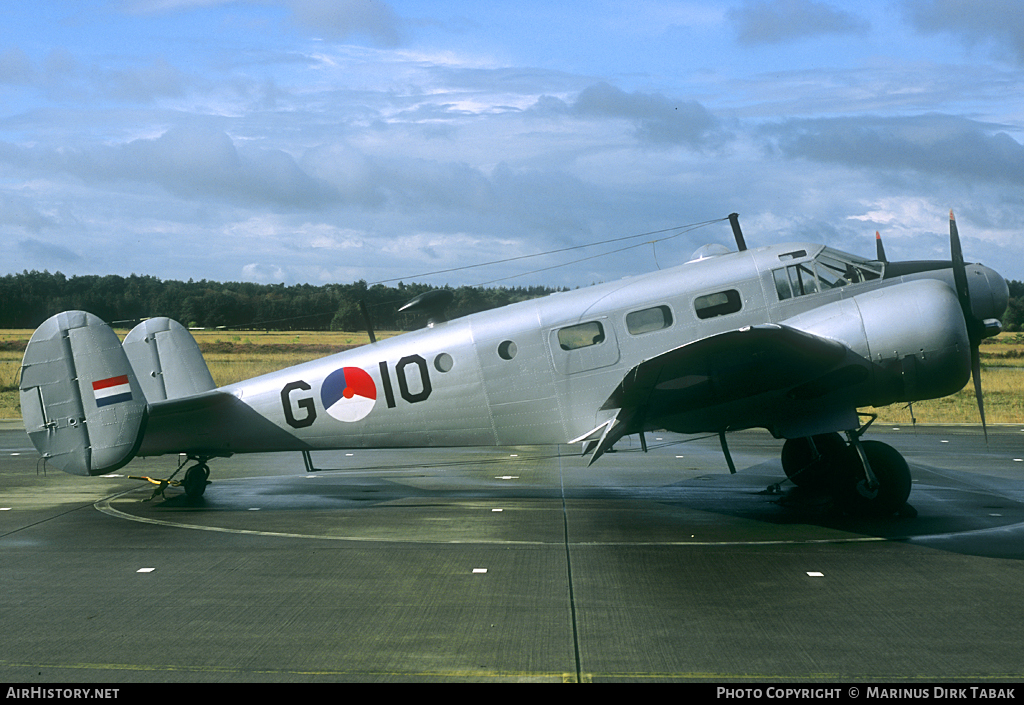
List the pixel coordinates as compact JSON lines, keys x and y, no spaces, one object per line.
{"x":29,"y":298}
{"x":1013,"y":319}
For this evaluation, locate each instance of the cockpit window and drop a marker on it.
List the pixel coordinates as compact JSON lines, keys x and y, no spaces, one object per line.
{"x":795,"y":280}
{"x":831,"y":269}
{"x":795,"y":254}
{"x":833,"y":273}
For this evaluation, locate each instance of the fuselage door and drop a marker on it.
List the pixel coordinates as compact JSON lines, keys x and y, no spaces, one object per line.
{"x":584,"y":346}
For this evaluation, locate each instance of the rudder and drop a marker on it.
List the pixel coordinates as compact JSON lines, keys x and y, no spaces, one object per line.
{"x":81,"y":403}
{"x":167,"y":360}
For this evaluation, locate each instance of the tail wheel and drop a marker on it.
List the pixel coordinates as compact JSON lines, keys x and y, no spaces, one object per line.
{"x":810,"y":469}
{"x":196,"y":479}
{"x":853,"y":492}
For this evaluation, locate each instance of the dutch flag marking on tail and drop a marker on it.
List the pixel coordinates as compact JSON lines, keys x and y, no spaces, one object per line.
{"x":112,"y":390}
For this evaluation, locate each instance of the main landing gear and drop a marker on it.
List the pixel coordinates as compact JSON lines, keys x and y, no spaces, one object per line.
{"x":197,"y":478}
{"x":194,"y":483}
{"x":867,"y":478}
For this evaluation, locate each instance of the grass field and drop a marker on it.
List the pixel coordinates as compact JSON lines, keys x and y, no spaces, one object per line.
{"x":233,"y":356}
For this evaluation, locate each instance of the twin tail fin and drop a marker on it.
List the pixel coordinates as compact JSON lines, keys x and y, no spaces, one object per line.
{"x":85,"y":397}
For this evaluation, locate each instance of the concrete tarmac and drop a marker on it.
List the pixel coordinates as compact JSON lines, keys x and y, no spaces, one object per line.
{"x":515,"y":564}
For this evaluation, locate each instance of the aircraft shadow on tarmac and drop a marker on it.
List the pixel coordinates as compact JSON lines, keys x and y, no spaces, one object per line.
{"x":951,"y":510}
{"x":960,"y":512}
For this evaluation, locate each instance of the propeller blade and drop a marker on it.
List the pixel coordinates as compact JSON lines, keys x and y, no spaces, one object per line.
{"x":976,"y":374}
{"x":959,"y":268}
{"x":975,"y":328}
{"x":879,"y":249}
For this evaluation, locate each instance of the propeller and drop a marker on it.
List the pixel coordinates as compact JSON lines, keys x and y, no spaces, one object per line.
{"x":976,"y":329}
{"x":879,"y":249}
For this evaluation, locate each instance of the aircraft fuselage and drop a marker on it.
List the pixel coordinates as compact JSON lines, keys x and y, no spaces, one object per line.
{"x":541,"y":371}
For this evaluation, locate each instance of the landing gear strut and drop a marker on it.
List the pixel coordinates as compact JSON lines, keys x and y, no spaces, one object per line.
{"x":867,"y":478}
{"x":872,"y":479}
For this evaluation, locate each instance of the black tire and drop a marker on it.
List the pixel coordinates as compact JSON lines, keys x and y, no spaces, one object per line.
{"x":800,"y":466}
{"x":195,"y":480}
{"x":893,"y":476}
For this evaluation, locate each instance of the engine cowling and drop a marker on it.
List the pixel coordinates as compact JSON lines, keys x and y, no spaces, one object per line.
{"x":911,"y":338}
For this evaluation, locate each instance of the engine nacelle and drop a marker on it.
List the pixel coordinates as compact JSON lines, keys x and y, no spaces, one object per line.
{"x":910,"y":337}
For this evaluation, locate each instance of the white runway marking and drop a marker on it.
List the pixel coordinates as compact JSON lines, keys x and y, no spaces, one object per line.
{"x":105,"y":507}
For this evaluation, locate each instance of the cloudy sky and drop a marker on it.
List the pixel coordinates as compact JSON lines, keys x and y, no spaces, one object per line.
{"x":333,"y":140}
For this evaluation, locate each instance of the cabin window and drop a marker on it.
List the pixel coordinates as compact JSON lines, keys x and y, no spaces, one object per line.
{"x":648,"y":320}
{"x":581,"y":336}
{"x":444,"y":362}
{"x":507,"y":350}
{"x":718,"y":304}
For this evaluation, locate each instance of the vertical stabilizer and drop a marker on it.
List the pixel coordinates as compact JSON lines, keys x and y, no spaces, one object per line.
{"x":167,"y":360}
{"x":81,"y":403}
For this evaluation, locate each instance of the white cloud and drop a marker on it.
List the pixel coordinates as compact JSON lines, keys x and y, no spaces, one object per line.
{"x":278,"y":155}
{"x":262,"y":273}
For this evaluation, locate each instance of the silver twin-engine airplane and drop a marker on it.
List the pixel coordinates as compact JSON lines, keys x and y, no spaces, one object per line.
{"x":793,"y":338}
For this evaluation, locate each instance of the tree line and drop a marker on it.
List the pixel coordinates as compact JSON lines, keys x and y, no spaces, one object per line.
{"x":29,"y":298}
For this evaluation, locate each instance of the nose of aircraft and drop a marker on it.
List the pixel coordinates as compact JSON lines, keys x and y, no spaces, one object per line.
{"x":989,"y":292}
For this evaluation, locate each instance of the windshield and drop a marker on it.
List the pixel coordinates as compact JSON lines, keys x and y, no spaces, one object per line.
{"x":831,"y":269}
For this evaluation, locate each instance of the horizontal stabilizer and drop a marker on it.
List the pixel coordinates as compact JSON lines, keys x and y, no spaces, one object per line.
{"x":167,"y":360}
{"x":81,"y":402}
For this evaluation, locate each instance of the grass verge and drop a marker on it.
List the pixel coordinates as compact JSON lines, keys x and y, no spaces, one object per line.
{"x":233,"y":357}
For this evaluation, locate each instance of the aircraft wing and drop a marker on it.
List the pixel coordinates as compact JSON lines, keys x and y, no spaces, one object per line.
{"x":717,"y":370}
